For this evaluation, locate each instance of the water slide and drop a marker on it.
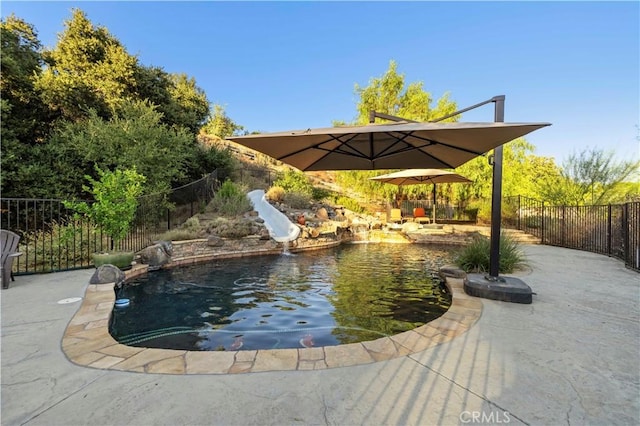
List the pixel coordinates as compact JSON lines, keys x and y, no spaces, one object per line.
{"x":279,"y":226}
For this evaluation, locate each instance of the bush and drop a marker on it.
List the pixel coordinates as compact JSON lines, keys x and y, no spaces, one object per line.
{"x":230,"y":200}
{"x":297,"y":200}
{"x":475,"y":256}
{"x":178,"y":234}
{"x":233,"y":228}
{"x":293,"y":181}
{"x":350,"y":204}
{"x":275,"y":194}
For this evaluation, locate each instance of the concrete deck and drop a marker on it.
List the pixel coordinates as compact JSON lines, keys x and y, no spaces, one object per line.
{"x":572,"y":356}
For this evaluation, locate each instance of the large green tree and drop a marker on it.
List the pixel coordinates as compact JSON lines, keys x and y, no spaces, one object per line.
{"x":389,"y":94}
{"x":25,"y":119}
{"x":133,"y":137}
{"x":220,"y":125}
{"x":90,"y":69}
{"x":592,"y":176}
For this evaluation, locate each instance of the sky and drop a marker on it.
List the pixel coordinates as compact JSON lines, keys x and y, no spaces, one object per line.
{"x":277,"y":66}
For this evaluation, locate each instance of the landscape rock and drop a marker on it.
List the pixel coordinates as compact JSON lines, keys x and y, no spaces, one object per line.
{"x":215,"y":241}
{"x":107,"y":274}
{"x":157,"y":255}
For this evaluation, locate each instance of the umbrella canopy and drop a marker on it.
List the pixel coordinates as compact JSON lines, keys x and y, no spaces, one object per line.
{"x":422,"y":176}
{"x":397,"y":145}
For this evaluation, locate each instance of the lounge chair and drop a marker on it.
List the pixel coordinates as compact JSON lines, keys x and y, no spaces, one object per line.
{"x":395,"y":216}
{"x":8,"y":251}
{"x":420,"y":216}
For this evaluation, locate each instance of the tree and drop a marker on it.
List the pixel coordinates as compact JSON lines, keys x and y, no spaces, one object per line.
{"x":388,"y":95}
{"x":25,"y":121}
{"x":590,"y":177}
{"x":133,"y":137}
{"x":190,"y":104}
{"x":220,"y":125}
{"x":115,"y":196}
{"x":89,"y":69}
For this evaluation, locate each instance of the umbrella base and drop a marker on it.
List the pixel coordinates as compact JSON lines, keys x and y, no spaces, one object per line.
{"x":505,"y":289}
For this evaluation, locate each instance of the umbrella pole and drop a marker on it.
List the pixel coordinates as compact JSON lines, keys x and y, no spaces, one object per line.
{"x":433,"y":218}
{"x":496,"y":198}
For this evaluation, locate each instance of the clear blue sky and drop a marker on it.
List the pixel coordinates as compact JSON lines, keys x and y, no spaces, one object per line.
{"x":293,"y":65}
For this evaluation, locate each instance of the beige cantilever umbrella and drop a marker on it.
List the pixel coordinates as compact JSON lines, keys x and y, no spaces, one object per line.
{"x":399,"y":145}
{"x":422,"y":176}
{"x":386,"y":146}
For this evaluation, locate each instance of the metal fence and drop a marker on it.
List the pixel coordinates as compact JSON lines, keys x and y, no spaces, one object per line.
{"x":613,"y":230}
{"x":53,"y":238}
{"x":445,"y":213}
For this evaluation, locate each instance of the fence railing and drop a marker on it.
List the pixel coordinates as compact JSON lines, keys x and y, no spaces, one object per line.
{"x":445,"y":213}
{"x":613,"y":230}
{"x":53,"y":238}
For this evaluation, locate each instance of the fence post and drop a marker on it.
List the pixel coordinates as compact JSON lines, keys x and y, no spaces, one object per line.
{"x":542,"y":225}
{"x":625,"y":235}
{"x":519,"y":210}
{"x":563,"y":234}
{"x":609,"y":235}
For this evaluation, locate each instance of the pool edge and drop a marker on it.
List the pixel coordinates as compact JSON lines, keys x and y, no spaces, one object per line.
{"x":86,"y":342}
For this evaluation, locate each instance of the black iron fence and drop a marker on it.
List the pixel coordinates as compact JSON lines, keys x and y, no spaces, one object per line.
{"x":54,"y":238}
{"x":444,"y":213}
{"x":613,"y":230}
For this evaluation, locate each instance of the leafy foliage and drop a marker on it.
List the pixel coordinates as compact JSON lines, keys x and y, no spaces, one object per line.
{"x":388,"y":95}
{"x":133,"y":138}
{"x":115,"y":204}
{"x":294,"y":181}
{"x":275,"y":194}
{"x":230,"y":200}
{"x":475,"y":257}
{"x":220,"y":125}
{"x":591,"y":177}
{"x":297,"y":200}
{"x":350,"y":204}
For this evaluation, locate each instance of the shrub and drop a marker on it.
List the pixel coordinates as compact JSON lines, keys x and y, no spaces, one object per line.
{"x":297,"y":200}
{"x":320,"y":193}
{"x":178,"y":234}
{"x":233,"y":228}
{"x":293,"y":181}
{"x":275,"y":194}
{"x":350,"y":204}
{"x":192,"y":224}
{"x":115,"y":203}
{"x":230,"y":200}
{"x":475,"y":256}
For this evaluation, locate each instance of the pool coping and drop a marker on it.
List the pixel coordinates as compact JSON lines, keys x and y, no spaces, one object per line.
{"x":87,"y":342}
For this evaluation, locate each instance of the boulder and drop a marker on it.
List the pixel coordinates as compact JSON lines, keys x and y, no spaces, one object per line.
{"x":157,"y":255}
{"x":322,"y":214}
{"x":215,"y":241}
{"x":107,"y":274}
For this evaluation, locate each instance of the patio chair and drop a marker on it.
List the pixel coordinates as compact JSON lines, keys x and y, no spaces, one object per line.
{"x":8,"y":251}
{"x":420,"y":216}
{"x":395,"y":216}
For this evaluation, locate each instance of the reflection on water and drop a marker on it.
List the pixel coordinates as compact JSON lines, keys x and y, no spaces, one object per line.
{"x":348,"y":294}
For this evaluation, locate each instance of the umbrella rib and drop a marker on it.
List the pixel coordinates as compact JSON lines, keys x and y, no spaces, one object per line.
{"x":415,"y":148}
{"x":357,"y":153}
{"x":432,"y":142}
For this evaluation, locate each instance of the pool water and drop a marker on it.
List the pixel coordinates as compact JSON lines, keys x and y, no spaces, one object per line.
{"x":348,"y":294}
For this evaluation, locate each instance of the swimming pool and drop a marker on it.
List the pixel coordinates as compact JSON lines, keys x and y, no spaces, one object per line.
{"x":335,"y":296}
